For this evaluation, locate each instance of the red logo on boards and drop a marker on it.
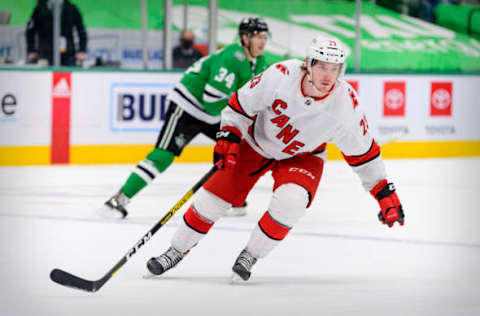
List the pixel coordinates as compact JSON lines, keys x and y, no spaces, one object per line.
{"x":61,"y":99}
{"x":394,"y":98}
{"x":61,"y":86}
{"x":441,"y":98}
{"x":354,"y":85}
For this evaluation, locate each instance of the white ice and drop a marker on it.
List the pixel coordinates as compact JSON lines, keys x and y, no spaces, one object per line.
{"x":338,"y":260}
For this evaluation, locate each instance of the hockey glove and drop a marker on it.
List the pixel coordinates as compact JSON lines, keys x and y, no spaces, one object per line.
{"x":227,"y":147}
{"x":391,"y":209}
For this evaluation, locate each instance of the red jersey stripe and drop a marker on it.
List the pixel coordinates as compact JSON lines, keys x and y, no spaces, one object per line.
{"x":371,"y":154}
{"x":196,"y":222}
{"x":271,"y":228}
{"x":320,"y":149}
{"x":235,"y":105}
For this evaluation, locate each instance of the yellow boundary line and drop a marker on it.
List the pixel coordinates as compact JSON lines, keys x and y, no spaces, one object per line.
{"x":24,"y":155}
{"x":118,"y":154}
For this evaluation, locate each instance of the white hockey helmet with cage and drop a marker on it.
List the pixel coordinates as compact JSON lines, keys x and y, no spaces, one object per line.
{"x":326,"y":49}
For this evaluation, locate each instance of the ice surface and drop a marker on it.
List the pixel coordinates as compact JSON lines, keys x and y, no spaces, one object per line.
{"x":338,"y":260}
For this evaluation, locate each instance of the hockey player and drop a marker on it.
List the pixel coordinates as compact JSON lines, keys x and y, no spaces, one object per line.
{"x":194,"y":107}
{"x":281,"y":121}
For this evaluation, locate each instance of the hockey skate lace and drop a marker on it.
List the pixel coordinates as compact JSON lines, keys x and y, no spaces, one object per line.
{"x":170,"y":258}
{"x":246,"y":260}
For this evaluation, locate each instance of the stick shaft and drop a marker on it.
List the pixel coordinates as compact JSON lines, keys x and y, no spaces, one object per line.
{"x":67,"y":279}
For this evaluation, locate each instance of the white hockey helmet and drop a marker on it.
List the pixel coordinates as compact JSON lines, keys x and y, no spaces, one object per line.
{"x":326,"y":49}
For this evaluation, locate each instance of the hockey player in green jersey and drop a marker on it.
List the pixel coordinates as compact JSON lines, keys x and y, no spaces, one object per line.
{"x":194,"y":107}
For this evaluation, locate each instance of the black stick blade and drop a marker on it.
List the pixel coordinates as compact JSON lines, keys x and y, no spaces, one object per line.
{"x":66,"y":279}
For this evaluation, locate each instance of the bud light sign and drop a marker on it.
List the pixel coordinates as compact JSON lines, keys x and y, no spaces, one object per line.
{"x":138,"y":107}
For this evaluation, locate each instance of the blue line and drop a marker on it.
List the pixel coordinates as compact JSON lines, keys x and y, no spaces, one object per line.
{"x":237,"y":229}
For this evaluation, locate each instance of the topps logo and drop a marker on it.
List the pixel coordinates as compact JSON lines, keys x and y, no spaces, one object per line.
{"x":302,"y":171}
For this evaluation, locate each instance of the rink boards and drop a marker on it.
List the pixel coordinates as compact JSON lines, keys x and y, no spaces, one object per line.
{"x":88,"y":117}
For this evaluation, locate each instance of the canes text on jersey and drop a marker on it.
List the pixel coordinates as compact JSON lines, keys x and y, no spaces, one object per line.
{"x":287,"y":132}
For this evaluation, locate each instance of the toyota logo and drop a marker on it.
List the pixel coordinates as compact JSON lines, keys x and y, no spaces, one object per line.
{"x":394,"y":99}
{"x":441,"y":99}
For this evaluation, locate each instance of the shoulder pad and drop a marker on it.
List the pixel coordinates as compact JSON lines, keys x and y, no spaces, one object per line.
{"x":240,"y":55}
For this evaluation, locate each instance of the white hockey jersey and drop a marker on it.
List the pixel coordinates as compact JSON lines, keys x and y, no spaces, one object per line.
{"x":279,"y":121}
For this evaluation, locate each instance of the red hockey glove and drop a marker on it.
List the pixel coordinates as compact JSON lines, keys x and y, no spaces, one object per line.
{"x":391,"y":209}
{"x":227,"y":147}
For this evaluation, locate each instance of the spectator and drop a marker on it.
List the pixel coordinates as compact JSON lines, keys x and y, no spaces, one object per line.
{"x":185,"y":54}
{"x":39,"y":33}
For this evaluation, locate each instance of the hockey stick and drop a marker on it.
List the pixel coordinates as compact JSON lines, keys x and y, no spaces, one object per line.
{"x":67,"y":279}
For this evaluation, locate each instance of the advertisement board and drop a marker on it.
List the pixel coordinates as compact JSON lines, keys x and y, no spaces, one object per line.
{"x":25,"y":110}
{"x":115,"y":117}
{"x":441,"y":98}
{"x":421,"y":107}
{"x":119,"y":108}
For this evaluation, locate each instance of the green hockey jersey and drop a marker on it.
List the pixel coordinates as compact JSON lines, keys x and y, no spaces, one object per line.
{"x":207,"y":85}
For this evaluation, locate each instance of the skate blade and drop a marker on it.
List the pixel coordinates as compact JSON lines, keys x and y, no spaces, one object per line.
{"x":236,"y":212}
{"x":149,"y":275}
{"x":107,"y":213}
{"x":236,"y":279}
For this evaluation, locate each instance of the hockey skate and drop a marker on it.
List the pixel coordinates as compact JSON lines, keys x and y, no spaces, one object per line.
{"x":166,"y":261}
{"x":242,"y":266}
{"x":237,"y":211}
{"x":115,"y":206}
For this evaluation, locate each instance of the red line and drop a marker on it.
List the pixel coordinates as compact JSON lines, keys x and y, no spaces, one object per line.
{"x":60,"y":143}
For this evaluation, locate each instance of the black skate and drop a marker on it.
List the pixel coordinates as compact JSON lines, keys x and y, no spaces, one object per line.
{"x":115,"y":206}
{"x":242,"y":266}
{"x":166,"y":261}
